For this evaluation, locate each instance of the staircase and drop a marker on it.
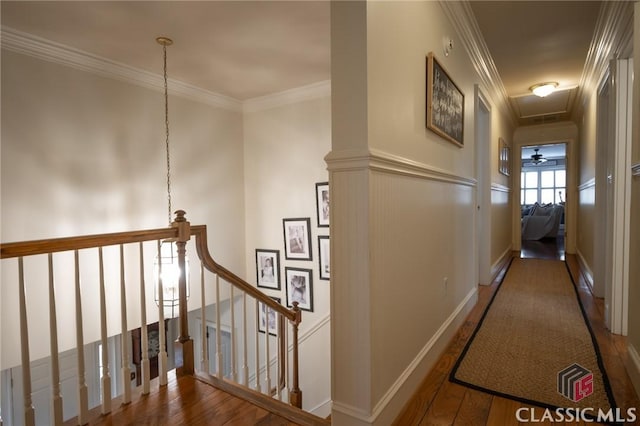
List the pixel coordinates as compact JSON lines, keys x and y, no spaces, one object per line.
{"x":257,"y":362}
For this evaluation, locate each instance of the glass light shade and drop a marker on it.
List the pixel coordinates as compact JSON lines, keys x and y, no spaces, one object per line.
{"x":544,"y":89}
{"x":170,"y":277}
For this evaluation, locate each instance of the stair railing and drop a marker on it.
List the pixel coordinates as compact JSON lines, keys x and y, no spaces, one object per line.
{"x":180,"y":232}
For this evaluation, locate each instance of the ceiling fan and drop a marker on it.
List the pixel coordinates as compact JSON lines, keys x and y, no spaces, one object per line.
{"x":537,"y":158}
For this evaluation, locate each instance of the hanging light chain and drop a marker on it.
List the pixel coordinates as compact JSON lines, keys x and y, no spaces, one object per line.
{"x":166,"y":42}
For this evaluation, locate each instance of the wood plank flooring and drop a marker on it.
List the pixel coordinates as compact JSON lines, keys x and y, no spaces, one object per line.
{"x":440,"y":402}
{"x":186,"y":401}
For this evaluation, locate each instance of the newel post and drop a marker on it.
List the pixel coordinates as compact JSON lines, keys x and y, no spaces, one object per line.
{"x":295,"y":394}
{"x":183,"y":347}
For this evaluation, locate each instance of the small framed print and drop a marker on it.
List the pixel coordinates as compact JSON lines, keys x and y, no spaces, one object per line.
{"x":268,"y":318}
{"x":323,"y":256}
{"x":297,"y":238}
{"x":322,"y":204}
{"x":445,"y":103}
{"x":504,"y":160}
{"x":299,"y":287}
{"x":268,"y":268}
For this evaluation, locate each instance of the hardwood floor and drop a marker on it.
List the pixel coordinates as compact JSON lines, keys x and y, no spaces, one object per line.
{"x":440,"y":402}
{"x":186,"y":401}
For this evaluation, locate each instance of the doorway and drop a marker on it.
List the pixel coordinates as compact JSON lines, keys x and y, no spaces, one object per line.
{"x":543,"y":191}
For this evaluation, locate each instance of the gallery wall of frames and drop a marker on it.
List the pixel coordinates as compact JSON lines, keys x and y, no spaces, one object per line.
{"x":303,"y":239}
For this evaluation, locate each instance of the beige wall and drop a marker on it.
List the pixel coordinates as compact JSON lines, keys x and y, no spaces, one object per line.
{"x":284,"y":159}
{"x":403,"y":207}
{"x":83,"y":154}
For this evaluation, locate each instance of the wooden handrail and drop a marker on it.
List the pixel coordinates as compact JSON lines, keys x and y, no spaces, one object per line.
{"x":55,"y":245}
{"x":200,"y":232}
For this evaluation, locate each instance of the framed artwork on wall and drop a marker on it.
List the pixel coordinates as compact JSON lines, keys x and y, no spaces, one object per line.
{"x":268,"y":317}
{"x":504,"y":160}
{"x":299,"y":284}
{"x":324,"y":267}
{"x":297,"y":238}
{"x":445,"y":103}
{"x":322,"y":204}
{"x":268,"y":268}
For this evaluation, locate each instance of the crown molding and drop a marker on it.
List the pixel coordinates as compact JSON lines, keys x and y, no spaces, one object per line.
{"x":464,"y":22}
{"x":613,"y":33}
{"x":321,"y":89}
{"x":41,"y":48}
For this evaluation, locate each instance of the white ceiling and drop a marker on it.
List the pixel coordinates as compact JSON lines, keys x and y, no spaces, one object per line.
{"x":246,"y":49}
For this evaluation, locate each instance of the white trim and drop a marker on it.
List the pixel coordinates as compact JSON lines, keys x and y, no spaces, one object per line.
{"x":373,"y":159}
{"x":633,"y":367}
{"x":585,"y":270}
{"x":464,"y":22}
{"x":323,"y":409}
{"x":321,"y":89}
{"x":441,"y":337}
{"x":500,"y":188}
{"x":499,"y":264}
{"x":613,"y":29}
{"x":41,"y":48}
{"x":635,"y":170}
{"x":591,"y":183}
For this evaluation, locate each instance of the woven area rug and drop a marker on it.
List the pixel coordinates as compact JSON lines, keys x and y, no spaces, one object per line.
{"x":533,"y":331}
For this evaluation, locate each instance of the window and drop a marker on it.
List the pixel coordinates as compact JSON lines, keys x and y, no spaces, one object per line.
{"x":543,"y":186}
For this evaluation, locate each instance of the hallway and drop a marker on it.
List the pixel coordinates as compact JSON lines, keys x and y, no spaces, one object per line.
{"x":438,"y":401}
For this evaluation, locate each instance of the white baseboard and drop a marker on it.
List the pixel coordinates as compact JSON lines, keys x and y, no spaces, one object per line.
{"x":586,"y":271}
{"x":499,"y":264}
{"x":323,"y":410}
{"x":633,"y":367}
{"x":392,"y":402}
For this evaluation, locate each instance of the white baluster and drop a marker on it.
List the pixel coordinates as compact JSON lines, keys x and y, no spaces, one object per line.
{"x":267,"y":369}
{"x":234,"y":361}
{"x":144,"y":338}
{"x":56,"y":396}
{"x":162,"y":357}
{"x":83,"y":395}
{"x":205,"y":352}
{"x":126,"y":369}
{"x":257,"y":348}
{"x":29,"y":413}
{"x":245,"y":367}
{"x":106,"y":376}
{"x":286,"y":356}
{"x":278,"y":360}
{"x":218,"y":339}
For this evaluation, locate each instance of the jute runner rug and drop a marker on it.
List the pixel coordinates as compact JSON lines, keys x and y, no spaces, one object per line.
{"x":533,"y":331}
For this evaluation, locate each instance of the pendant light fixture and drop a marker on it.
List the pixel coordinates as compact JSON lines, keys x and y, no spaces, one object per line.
{"x":167,"y":270}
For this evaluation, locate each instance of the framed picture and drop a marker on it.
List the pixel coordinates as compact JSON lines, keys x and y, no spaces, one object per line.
{"x":323,"y":256}
{"x":268,"y":268}
{"x":297,"y":238}
{"x":299,"y":287}
{"x":504,"y":160}
{"x":445,"y":103}
{"x":322,"y":203}
{"x":268,"y":317}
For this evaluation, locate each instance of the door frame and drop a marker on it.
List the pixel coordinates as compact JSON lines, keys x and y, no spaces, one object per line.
{"x":482,"y":118}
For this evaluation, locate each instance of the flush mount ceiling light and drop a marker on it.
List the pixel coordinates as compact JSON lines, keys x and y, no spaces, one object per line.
{"x":544,"y":89}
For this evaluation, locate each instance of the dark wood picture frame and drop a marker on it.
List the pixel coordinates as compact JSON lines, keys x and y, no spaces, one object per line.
{"x":445,"y":103}
{"x":322,"y":204}
{"x":297,"y":238}
{"x":504,"y":159}
{"x":268,"y":268}
{"x":265,"y":317}
{"x":299,"y":286}
{"x":324,"y":266}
